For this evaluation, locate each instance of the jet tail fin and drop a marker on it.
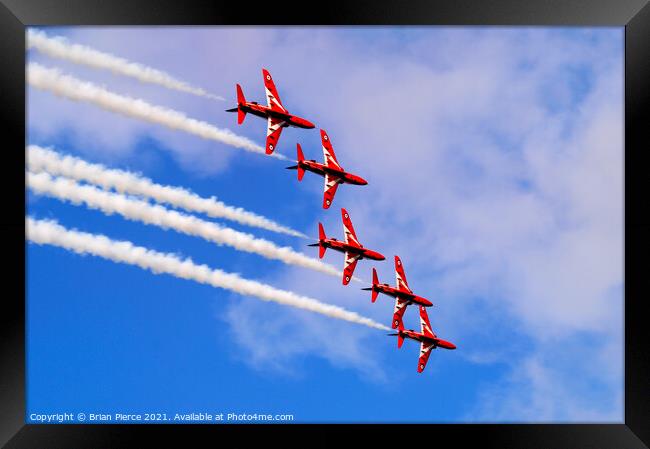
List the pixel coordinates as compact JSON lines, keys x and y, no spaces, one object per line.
{"x":301,"y":158}
{"x":375,"y":281}
{"x":321,"y":237}
{"x":400,"y":335}
{"x":241,"y":100}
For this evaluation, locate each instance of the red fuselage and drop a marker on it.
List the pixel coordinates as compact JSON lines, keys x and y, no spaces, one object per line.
{"x":266,"y":112}
{"x":322,"y":169}
{"x":407,"y":333}
{"x":394,"y":292}
{"x":343,"y":247}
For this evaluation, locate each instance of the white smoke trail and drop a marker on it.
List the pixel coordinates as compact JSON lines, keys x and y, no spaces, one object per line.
{"x":142,"y":211}
{"x":73,"y":88}
{"x":45,"y":160}
{"x":51,"y":233}
{"x":59,"y":47}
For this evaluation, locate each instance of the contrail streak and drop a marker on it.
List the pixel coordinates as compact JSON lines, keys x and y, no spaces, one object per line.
{"x":59,"y":47}
{"x":45,"y":160}
{"x":142,"y":211}
{"x":73,"y":88}
{"x":51,"y":233}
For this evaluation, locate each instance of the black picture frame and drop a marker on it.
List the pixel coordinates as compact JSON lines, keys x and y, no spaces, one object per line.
{"x":634,"y":15}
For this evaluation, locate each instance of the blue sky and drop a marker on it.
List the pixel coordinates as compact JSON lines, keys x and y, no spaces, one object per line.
{"x":495,"y":165}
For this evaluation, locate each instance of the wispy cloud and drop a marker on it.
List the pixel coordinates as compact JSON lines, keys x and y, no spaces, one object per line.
{"x":499,"y":160}
{"x":541,"y":388}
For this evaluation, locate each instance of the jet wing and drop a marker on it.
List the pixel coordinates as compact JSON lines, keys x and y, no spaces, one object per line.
{"x":425,"y":352}
{"x":425,"y":326}
{"x":400,"y":276}
{"x":328,"y":151}
{"x":350,"y":264}
{"x":398,"y":312}
{"x":273,"y":133}
{"x":272,"y":97}
{"x":331,"y":184}
{"x":348,"y":230}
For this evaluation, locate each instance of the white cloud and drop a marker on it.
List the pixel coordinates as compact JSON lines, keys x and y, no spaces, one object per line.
{"x":544,"y":388}
{"x":500,"y":188}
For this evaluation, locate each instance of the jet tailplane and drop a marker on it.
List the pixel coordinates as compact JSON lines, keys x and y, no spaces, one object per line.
{"x":400,"y":335}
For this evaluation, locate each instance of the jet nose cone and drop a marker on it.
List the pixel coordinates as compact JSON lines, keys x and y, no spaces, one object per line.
{"x":378,"y":256}
{"x":304,"y":123}
{"x":359,"y":180}
{"x":446,"y":344}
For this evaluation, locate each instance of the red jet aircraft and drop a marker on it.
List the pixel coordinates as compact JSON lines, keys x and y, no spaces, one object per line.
{"x":403,"y":295}
{"x":426,"y":337}
{"x":330,"y":170}
{"x":278,"y":117}
{"x":354,"y":251}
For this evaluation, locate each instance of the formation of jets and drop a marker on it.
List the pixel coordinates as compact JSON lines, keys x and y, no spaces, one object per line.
{"x":278,"y":117}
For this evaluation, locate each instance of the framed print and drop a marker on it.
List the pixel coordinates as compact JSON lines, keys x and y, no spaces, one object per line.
{"x":242,"y":218}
